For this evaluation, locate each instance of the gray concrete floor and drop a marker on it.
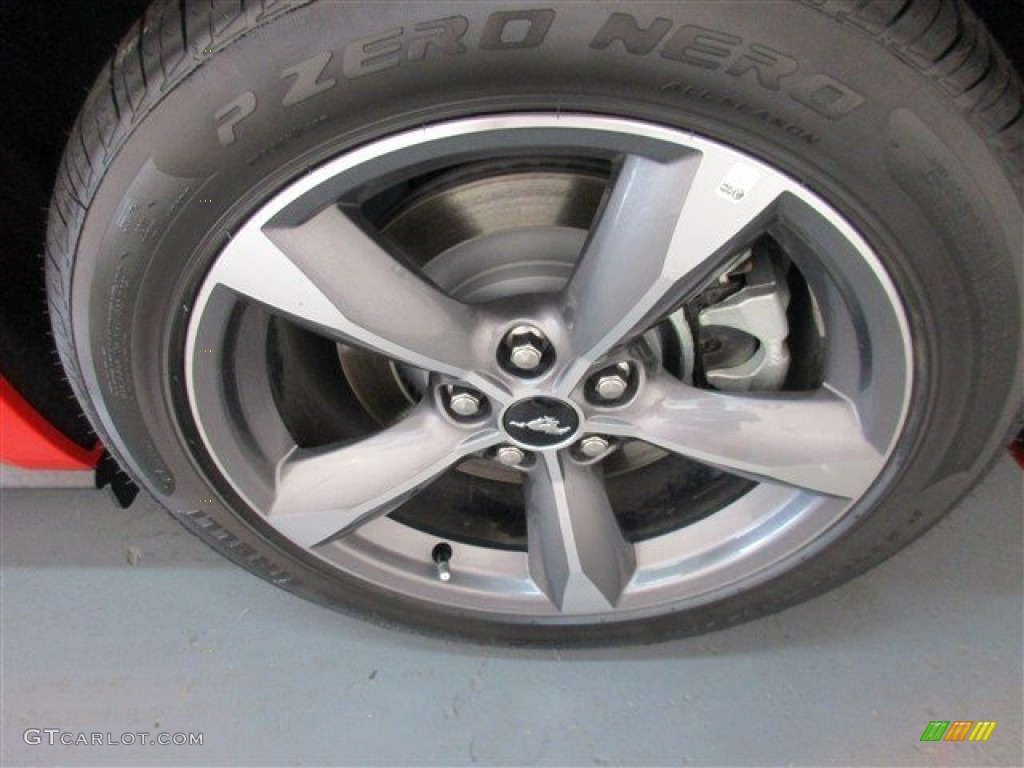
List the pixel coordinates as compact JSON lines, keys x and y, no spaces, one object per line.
{"x":182,"y":641}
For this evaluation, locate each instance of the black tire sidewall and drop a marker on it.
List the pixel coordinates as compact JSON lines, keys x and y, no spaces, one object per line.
{"x":902,"y":164}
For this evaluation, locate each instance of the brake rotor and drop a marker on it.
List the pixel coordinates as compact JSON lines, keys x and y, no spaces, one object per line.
{"x":485,"y":233}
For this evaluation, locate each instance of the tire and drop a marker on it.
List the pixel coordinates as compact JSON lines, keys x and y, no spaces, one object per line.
{"x":874,"y":161}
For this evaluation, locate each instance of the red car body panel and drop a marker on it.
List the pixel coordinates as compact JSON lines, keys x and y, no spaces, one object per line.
{"x":28,"y":441}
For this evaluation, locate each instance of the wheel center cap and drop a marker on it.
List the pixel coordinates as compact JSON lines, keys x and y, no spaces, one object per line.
{"x":541,"y":422}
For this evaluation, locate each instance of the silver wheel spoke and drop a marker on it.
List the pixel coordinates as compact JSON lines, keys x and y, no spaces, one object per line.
{"x":812,"y":441}
{"x":328,"y":273}
{"x":665,"y":228}
{"x":577,"y":553}
{"x":522,"y":328}
{"x":322,"y":492}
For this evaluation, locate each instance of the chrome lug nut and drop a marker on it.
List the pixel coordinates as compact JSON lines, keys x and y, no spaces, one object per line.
{"x":611,"y":387}
{"x":526,"y":357}
{"x":526,"y":346}
{"x":593,"y":446}
{"x":612,"y":383}
{"x":465,"y":404}
{"x":510,"y":456}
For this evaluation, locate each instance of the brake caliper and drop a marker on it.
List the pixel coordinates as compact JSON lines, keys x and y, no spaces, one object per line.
{"x":743,"y":336}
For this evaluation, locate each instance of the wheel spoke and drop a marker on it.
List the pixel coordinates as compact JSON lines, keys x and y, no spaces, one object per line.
{"x":330,"y":274}
{"x":665,"y":229}
{"x":538,"y":303}
{"x":812,"y":441}
{"x":322,"y":492}
{"x":577,"y":553}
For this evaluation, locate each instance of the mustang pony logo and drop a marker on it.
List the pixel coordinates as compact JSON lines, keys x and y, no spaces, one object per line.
{"x":546,"y":424}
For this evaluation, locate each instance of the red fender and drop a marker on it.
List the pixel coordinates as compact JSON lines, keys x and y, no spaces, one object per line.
{"x":28,"y":441}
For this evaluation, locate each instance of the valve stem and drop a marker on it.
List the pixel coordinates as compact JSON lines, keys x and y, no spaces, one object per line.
{"x":441,"y":554}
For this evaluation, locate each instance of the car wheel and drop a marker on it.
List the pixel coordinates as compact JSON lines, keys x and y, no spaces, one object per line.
{"x":580,"y":324}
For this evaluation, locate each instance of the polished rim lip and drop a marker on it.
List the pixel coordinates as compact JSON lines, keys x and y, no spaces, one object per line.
{"x":365,"y":553}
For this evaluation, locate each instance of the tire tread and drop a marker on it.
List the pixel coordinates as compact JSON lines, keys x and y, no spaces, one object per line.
{"x":166,"y":45}
{"x":946,"y":43}
{"x":941,"y":39}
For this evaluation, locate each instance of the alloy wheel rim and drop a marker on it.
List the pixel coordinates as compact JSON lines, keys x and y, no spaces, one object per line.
{"x":679,"y":207}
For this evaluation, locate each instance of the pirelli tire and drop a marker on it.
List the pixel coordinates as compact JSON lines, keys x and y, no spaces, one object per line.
{"x":884,"y":141}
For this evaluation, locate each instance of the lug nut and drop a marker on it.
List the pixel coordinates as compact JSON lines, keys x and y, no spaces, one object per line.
{"x":526,"y":346}
{"x":611,"y":387}
{"x":464,"y":404}
{"x":593,"y":446}
{"x":510,"y":456}
{"x":612,"y":383}
{"x":525,"y":356}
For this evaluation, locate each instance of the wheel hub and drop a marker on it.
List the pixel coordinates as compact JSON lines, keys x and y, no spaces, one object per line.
{"x":524,"y":231}
{"x":541,"y":423}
